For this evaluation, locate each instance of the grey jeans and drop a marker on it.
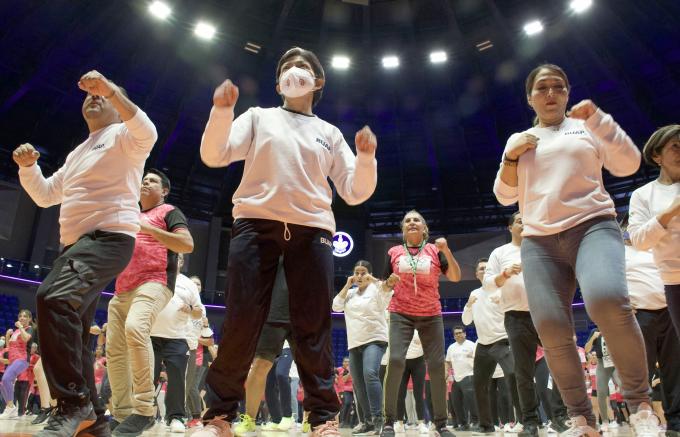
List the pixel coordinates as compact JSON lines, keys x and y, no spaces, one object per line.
{"x":431,"y":331}
{"x":604,"y":374}
{"x":591,"y":253}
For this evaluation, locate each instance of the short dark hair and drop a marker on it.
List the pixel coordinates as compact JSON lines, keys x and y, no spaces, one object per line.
{"x":480,"y":260}
{"x":511,"y":220}
{"x":658,"y":141}
{"x":364,"y":263}
{"x":458,"y":327}
{"x":165,"y":181}
{"x":310,"y":57}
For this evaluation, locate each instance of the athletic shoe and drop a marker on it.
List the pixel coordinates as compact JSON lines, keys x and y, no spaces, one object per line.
{"x":245,"y":426}
{"x":101,"y":428}
{"x":68,"y":420}
{"x":423,"y":428}
{"x":133,"y":425}
{"x":177,"y":426}
{"x":195,"y":423}
{"x":578,"y":427}
{"x":529,"y":430}
{"x":484,"y":430}
{"x":560,"y":424}
{"x":613,"y":424}
{"x":508,"y":427}
{"x":306,"y":427}
{"x":269,"y":426}
{"x":497,"y":428}
{"x":42,"y":416}
{"x":644,"y":422}
{"x":328,"y":429}
{"x":516,"y":428}
{"x":285,"y":425}
{"x":217,"y":427}
{"x":399,"y":427}
{"x":443,"y":431}
{"x":10,"y":413}
{"x":387,"y":431}
{"x":362,"y":428}
{"x":462,"y":428}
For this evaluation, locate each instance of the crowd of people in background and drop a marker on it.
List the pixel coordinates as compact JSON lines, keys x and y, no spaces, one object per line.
{"x":525,"y":371}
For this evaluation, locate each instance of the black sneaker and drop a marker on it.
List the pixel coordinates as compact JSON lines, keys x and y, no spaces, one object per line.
{"x":377,"y":426}
{"x":133,"y":425}
{"x":387,"y":431}
{"x":530,"y":430}
{"x":484,"y":430}
{"x":443,"y":431}
{"x":113,"y":423}
{"x":100,"y":428}
{"x":362,"y":428}
{"x":463,"y":428}
{"x":560,"y":424}
{"x":42,"y":416}
{"x":68,"y":420}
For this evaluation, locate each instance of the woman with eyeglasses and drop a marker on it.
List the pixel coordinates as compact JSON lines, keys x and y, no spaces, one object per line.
{"x":554,"y":171}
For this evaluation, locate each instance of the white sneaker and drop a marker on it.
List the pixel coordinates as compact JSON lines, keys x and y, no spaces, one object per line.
{"x":508,"y":427}
{"x":497,"y":428}
{"x":10,"y":413}
{"x":423,"y":428}
{"x":285,"y":424}
{"x":578,"y":427}
{"x":517,"y":428}
{"x":176,"y":425}
{"x":269,"y":426}
{"x":399,"y":428}
{"x":644,"y":422}
{"x":613,"y":424}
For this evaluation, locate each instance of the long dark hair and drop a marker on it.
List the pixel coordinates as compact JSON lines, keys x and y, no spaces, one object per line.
{"x":364,"y":263}
{"x":531,"y":78}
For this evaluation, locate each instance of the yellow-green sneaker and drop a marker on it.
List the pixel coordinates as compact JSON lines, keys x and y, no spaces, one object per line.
{"x":246,"y":426}
{"x":306,"y":427}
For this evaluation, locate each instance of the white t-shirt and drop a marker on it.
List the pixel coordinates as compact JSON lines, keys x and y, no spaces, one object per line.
{"x":645,"y":286}
{"x":98,"y":185}
{"x":364,"y":314}
{"x":647,"y":233}
{"x":194,"y":330}
{"x":171,"y":322}
{"x":460,"y":357}
{"x":415,"y":348}
{"x":288,"y":160}
{"x":560,"y":181}
{"x":487,"y":316}
{"x":513,"y":293}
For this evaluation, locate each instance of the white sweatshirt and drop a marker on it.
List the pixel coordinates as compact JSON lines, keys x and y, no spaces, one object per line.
{"x":487,"y":316}
{"x":645,"y":286}
{"x":560,"y":182}
{"x":513,"y":293}
{"x":364,"y":314}
{"x":288,"y":160}
{"x":461,"y":359}
{"x":171,"y":322}
{"x":98,"y":185}
{"x":647,"y":233}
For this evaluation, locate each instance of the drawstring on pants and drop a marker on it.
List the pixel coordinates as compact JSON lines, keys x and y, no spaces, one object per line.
{"x":286,"y":232}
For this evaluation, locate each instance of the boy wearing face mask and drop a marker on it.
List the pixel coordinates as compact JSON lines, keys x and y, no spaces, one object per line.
{"x":282,"y":207}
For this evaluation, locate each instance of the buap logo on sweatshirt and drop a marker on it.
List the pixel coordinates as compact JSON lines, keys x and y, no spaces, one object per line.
{"x":324,"y":143}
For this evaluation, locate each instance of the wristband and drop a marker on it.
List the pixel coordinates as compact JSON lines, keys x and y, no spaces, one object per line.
{"x":505,"y":275}
{"x":505,"y":158}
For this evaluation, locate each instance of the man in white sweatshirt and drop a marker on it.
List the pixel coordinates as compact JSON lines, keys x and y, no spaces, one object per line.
{"x":503,"y":277}
{"x":492,"y":348}
{"x":98,"y":189}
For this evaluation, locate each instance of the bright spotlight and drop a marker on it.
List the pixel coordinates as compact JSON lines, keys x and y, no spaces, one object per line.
{"x":204,"y":30}
{"x":340,"y":62}
{"x":438,"y":57}
{"x":533,"y":27}
{"x":160,"y":10}
{"x":390,"y":62}
{"x":579,"y":6}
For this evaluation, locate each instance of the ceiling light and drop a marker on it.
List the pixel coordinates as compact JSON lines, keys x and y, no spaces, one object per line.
{"x":340,"y":62}
{"x":252,"y":47}
{"x":579,"y":6}
{"x":438,"y":57}
{"x":484,"y":45}
{"x":204,"y":30}
{"x":159,"y":10}
{"x":533,"y":27}
{"x":390,"y":62}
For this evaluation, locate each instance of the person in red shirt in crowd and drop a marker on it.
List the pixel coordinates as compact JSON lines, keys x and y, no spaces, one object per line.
{"x":18,"y":346}
{"x":346,"y":393}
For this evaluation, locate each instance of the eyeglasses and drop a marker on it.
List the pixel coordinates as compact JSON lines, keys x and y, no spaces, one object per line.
{"x":556,"y":89}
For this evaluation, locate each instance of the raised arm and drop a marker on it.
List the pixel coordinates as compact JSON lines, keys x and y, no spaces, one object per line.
{"x":355,"y":177}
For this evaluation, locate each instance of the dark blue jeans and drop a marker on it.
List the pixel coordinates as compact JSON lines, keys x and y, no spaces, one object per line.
{"x":364,"y":366}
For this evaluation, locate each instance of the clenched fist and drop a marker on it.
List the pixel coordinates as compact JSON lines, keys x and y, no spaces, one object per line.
{"x":583,"y":110}
{"x":25,"y":155}
{"x":441,"y":244}
{"x":94,"y":83}
{"x":226,"y":95}
{"x":366,"y":141}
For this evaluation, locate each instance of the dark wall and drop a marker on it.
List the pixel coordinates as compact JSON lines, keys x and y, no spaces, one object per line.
{"x":18,"y":220}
